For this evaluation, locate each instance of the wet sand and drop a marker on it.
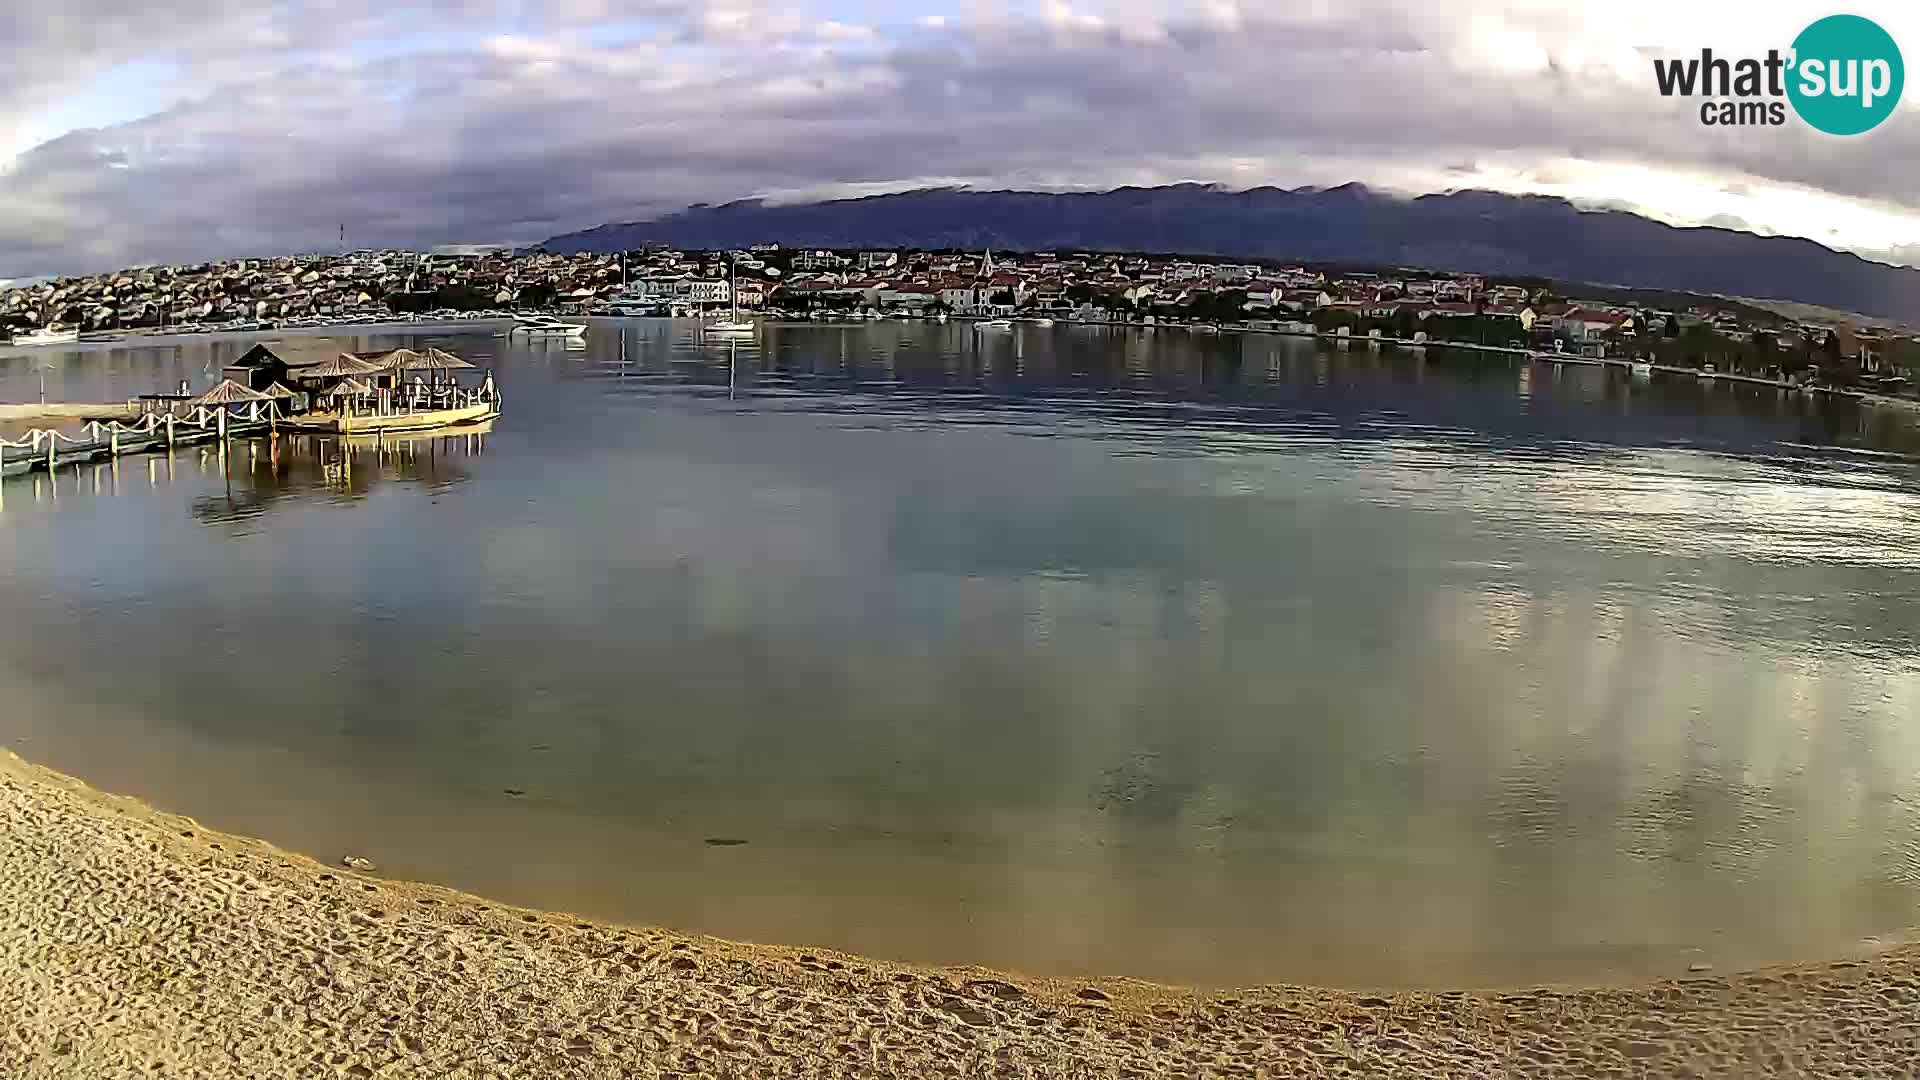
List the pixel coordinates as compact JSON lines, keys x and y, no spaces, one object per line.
{"x":135,"y":943}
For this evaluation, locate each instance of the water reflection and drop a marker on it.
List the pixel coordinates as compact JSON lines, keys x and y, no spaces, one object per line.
{"x":267,"y":472}
{"x":1194,"y":657}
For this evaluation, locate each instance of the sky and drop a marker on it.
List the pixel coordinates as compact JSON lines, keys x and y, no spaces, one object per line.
{"x":184,"y":130}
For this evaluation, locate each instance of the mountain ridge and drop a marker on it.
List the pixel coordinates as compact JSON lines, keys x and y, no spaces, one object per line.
{"x":1471,"y":230}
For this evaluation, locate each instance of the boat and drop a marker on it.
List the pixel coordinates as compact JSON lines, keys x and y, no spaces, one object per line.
{"x":47,"y":337}
{"x":733,"y":324}
{"x":1041,"y":320}
{"x":545,"y":326}
{"x":1643,"y":368}
{"x":994,"y":324}
{"x":942,"y":317}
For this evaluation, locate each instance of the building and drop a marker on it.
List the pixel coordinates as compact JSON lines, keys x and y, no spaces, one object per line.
{"x":819,"y":260}
{"x":678,"y":290}
{"x":257,"y":369}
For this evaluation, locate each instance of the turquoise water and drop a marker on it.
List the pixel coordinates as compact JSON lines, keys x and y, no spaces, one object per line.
{"x":1222,"y":660}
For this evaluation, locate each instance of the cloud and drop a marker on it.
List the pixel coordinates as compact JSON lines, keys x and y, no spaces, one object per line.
{"x":263,"y":129}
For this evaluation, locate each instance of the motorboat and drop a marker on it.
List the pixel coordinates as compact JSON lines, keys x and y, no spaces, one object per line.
{"x":545,"y":326}
{"x":994,"y":324}
{"x":1642,"y":368}
{"x":1040,"y":320}
{"x":47,"y":336}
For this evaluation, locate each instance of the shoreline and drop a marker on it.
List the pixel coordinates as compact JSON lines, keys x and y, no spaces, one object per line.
{"x":461,"y":326}
{"x":140,"y":943}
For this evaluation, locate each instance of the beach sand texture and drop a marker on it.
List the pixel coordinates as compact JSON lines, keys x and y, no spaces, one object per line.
{"x":134,"y":943}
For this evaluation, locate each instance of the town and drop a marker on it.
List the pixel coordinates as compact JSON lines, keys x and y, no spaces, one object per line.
{"x":1388,"y":304}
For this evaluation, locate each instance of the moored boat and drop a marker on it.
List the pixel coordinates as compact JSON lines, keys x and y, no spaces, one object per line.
{"x":47,"y":336}
{"x":545,"y":326}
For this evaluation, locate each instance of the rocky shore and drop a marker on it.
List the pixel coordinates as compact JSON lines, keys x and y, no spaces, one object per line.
{"x":135,"y":943}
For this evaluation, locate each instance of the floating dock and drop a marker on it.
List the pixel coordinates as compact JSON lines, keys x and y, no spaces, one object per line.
{"x":370,"y":424}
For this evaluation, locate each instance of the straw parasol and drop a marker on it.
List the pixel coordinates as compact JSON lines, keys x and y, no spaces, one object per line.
{"x":401,"y":359}
{"x":443,"y":360}
{"x":280,"y":390}
{"x":229,"y":393}
{"x":342,"y":366}
{"x":350,"y":388}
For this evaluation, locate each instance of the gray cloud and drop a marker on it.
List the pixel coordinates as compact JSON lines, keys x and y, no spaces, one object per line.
{"x":281,"y":126}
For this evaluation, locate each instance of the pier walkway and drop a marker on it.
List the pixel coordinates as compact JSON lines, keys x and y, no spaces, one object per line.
{"x":47,"y":448}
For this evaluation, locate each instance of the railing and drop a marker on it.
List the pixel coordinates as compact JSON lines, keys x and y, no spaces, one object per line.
{"x":97,"y":436}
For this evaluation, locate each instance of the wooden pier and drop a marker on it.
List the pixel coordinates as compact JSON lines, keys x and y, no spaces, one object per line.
{"x":46,"y":448}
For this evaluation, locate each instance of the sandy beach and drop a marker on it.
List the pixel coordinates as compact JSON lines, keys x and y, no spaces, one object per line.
{"x":136,"y":943}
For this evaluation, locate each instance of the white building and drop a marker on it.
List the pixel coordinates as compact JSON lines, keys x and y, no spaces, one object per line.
{"x":678,"y":290}
{"x":819,"y":260}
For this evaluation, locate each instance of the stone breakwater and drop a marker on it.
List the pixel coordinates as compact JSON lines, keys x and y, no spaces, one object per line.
{"x":134,"y":943}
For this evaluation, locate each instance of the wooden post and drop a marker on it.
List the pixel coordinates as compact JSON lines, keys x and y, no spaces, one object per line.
{"x":113,"y":443}
{"x":52,"y":441}
{"x":169,"y":429}
{"x":223,"y":423}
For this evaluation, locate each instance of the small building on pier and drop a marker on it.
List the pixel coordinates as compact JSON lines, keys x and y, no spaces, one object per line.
{"x":259,"y":368}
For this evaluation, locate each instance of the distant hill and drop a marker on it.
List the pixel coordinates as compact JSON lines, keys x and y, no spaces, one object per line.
{"x":1479,"y":231}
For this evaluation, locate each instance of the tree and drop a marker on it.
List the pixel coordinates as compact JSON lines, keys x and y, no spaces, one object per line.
{"x":535,"y":294}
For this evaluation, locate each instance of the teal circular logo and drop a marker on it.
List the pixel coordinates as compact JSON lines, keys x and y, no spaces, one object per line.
{"x":1846,"y":75}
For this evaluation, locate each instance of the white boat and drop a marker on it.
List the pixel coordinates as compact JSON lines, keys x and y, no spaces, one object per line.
{"x":545,"y":326}
{"x":994,"y":324}
{"x":942,"y":317}
{"x":47,"y":337}
{"x":1643,"y":368}
{"x":733,"y":324}
{"x":1040,"y":321}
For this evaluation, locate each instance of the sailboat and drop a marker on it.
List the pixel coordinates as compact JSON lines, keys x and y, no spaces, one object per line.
{"x":732,"y":325}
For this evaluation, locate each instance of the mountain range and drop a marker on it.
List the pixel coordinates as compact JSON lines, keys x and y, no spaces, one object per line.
{"x":1478,"y":231}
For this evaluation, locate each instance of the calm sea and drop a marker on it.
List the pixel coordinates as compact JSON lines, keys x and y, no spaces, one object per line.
{"x":1214,"y":659}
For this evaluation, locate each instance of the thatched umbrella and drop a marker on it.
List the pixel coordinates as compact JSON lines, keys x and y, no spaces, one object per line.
{"x":349,"y":388}
{"x":442,"y":360}
{"x":401,"y":359}
{"x":280,"y":390}
{"x":343,"y":366}
{"x":229,"y":393}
